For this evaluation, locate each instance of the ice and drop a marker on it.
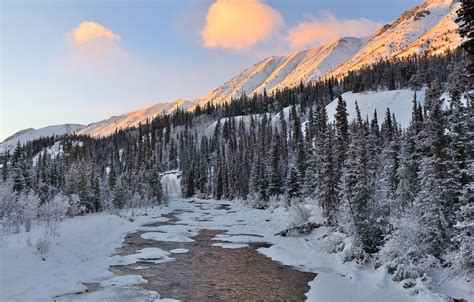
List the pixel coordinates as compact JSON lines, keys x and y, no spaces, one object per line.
{"x":179,"y":251}
{"x":230,"y":245}
{"x":149,"y":255}
{"x":128,"y":280}
{"x":166,"y":237}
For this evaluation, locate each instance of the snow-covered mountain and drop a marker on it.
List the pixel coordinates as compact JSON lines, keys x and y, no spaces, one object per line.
{"x":29,"y":134}
{"x":130,"y":119}
{"x":429,"y":27}
{"x":277,"y":72}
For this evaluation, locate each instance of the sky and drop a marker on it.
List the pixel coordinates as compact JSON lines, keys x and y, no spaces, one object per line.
{"x":71,"y":61}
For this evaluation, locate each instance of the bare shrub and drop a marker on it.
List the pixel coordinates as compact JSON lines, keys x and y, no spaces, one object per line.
{"x":43,"y":246}
{"x":298,"y":213}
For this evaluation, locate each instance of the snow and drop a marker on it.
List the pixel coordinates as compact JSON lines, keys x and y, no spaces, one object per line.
{"x":53,"y":151}
{"x":85,"y":249}
{"x":399,"y":102}
{"x":26,"y":135}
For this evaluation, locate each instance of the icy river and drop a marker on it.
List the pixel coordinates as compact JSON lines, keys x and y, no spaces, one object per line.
{"x":209,"y":263}
{"x":191,"y":250}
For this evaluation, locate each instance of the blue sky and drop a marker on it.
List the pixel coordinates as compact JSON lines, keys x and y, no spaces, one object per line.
{"x":144,"y":52}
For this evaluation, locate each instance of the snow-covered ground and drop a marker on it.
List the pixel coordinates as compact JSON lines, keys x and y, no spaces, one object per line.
{"x":83,"y":248}
{"x":399,"y":102}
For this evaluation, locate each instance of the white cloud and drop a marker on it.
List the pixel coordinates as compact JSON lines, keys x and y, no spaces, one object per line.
{"x":239,"y":24}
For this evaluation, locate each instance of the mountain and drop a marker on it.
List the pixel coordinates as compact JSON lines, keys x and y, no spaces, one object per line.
{"x":130,"y":119}
{"x":29,"y":134}
{"x":429,"y":27}
{"x":277,"y":72}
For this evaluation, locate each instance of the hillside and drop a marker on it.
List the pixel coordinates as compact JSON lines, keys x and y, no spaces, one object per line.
{"x":130,"y":119}
{"x":25,"y":135}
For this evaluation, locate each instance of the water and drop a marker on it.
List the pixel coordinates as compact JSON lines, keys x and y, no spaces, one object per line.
{"x":209,"y":273}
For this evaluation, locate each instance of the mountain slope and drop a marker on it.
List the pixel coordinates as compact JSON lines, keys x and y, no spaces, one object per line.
{"x":130,"y":119}
{"x":278,"y":72}
{"x":428,"y":27}
{"x":29,"y":134}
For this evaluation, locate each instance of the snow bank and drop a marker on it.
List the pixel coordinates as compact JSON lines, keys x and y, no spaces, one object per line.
{"x":79,"y":252}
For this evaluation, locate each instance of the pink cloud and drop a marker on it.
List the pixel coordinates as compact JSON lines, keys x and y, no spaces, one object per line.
{"x":316,"y":31}
{"x":239,"y":24}
{"x":89,"y":31}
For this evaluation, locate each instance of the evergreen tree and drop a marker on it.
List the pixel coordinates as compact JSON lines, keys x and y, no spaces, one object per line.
{"x":293,"y":184}
{"x":276,"y":183}
{"x":120,"y":193}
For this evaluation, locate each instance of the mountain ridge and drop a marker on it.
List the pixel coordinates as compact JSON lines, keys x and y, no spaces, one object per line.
{"x":426,"y":28}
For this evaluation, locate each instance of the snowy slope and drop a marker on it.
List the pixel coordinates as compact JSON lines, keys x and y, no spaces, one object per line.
{"x":428,"y":27}
{"x":399,"y":102}
{"x":282,"y":71}
{"x":26,"y":135}
{"x":130,"y":119}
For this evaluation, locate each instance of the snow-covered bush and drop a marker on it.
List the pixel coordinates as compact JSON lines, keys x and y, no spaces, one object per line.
{"x":254,"y":201}
{"x":9,"y":211}
{"x":353,"y":250}
{"x":28,"y":209}
{"x":403,"y":254}
{"x":17,"y":210}
{"x":54,"y":210}
{"x":277,"y":201}
{"x":298,"y":213}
